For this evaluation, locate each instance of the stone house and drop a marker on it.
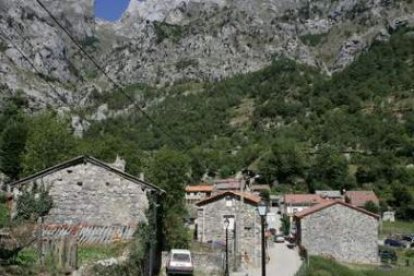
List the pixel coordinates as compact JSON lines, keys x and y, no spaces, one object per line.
{"x":96,"y":202}
{"x":339,"y":230}
{"x":196,"y":193}
{"x":360,"y":198}
{"x":293,"y":203}
{"x":241,"y":210}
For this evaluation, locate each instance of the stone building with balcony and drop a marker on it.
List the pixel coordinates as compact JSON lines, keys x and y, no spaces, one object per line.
{"x":244,"y":223}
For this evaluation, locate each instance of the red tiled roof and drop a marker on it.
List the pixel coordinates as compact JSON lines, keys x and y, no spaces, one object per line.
{"x":248,"y":197}
{"x":327,"y":204}
{"x":303,"y":199}
{"x":199,"y":188}
{"x":359,"y":198}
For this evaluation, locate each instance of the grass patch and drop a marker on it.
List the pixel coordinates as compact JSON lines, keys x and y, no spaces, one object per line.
{"x":88,"y":254}
{"x":319,"y":266}
{"x":167,"y":31}
{"x":396,"y":228}
{"x":313,"y":39}
{"x":27,"y":257}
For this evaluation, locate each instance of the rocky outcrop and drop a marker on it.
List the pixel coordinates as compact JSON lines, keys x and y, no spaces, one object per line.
{"x":36,"y":55}
{"x":168,"y":41}
{"x":176,"y":40}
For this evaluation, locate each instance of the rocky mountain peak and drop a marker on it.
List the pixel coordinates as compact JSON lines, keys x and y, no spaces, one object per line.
{"x":160,"y":42}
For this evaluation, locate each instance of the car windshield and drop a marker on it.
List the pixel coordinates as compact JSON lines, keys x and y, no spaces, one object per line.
{"x":179,"y":257}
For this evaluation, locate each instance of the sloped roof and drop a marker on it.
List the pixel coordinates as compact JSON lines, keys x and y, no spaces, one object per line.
{"x":86,"y":159}
{"x":326,"y":204}
{"x":227,"y":184}
{"x":199,"y":188}
{"x":248,"y":197}
{"x":302,"y":199}
{"x":359,"y":198}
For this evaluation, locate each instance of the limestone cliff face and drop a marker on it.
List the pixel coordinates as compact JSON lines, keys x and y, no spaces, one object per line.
{"x":174,"y":40}
{"x":166,"y":41}
{"x":36,"y":36}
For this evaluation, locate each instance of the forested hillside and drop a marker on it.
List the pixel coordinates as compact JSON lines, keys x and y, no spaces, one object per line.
{"x":295,"y":126}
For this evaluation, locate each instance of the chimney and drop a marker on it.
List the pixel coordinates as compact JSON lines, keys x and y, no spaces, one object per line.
{"x":141,"y":176}
{"x":119,"y":164}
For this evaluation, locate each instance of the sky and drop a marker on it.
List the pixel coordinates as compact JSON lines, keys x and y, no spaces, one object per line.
{"x":110,"y":10}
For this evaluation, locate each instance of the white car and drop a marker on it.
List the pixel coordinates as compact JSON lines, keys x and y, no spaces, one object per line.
{"x":180,"y":262}
{"x":279,"y":238}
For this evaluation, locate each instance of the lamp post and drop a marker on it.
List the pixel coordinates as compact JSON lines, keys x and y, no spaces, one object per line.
{"x":226,"y":225}
{"x":262,"y":210}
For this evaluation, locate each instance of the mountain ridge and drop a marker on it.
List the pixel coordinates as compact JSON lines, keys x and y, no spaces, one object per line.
{"x":165,"y":42}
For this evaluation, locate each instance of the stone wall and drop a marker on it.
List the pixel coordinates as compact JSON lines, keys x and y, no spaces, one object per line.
{"x":342,"y":233}
{"x":98,"y":203}
{"x":210,"y":227}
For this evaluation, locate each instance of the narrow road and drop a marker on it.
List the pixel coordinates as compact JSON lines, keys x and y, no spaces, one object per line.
{"x":283,"y":261}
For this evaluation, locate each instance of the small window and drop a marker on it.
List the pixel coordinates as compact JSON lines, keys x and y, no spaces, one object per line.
{"x":69,"y":171}
{"x":107,"y":183}
{"x":229,"y":201}
{"x":79,"y":183}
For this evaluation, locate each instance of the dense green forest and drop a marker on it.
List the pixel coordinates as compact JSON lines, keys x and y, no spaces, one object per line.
{"x":297,"y":127}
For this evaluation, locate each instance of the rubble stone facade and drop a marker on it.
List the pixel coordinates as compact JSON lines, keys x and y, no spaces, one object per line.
{"x":343,"y":233}
{"x":244,"y":240}
{"x":93,"y":200}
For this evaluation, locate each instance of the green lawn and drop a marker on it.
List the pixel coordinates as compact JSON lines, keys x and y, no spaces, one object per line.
{"x":87,"y":254}
{"x":319,"y":266}
{"x":396,"y":228}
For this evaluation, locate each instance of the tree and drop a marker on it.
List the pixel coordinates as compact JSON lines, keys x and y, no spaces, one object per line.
{"x":285,"y":227}
{"x":169,"y":170}
{"x":402,"y":196}
{"x":285,"y":161}
{"x":12,"y":144}
{"x":371,"y":207}
{"x":330,"y":168}
{"x":49,"y":142}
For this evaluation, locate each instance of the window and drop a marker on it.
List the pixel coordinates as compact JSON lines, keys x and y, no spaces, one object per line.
{"x":229,"y":201}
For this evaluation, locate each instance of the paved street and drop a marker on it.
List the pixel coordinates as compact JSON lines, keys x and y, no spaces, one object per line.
{"x":283,"y":262}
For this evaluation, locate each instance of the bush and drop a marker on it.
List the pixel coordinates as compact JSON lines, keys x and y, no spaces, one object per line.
{"x":33,"y":204}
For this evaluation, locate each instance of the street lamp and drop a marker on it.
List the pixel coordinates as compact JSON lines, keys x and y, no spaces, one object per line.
{"x":262,"y":210}
{"x":226,"y":225}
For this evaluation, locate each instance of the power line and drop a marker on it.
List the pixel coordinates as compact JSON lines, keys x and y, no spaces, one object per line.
{"x":115,"y":83}
{"x":25,"y":39}
{"x":27,"y":59}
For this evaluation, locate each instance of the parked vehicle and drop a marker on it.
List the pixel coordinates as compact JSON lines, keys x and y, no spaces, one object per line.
{"x":290,"y":239}
{"x":180,"y":262}
{"x":291,"y":245}
{"x":279,"y":238}
{"x":409,"y":239}
{"x":395,"y":243}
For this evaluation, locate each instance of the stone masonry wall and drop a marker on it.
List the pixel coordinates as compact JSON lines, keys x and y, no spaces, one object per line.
{"x":210,"y":226}
{"x":92,"y":198}
{"x":341,"y":232}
